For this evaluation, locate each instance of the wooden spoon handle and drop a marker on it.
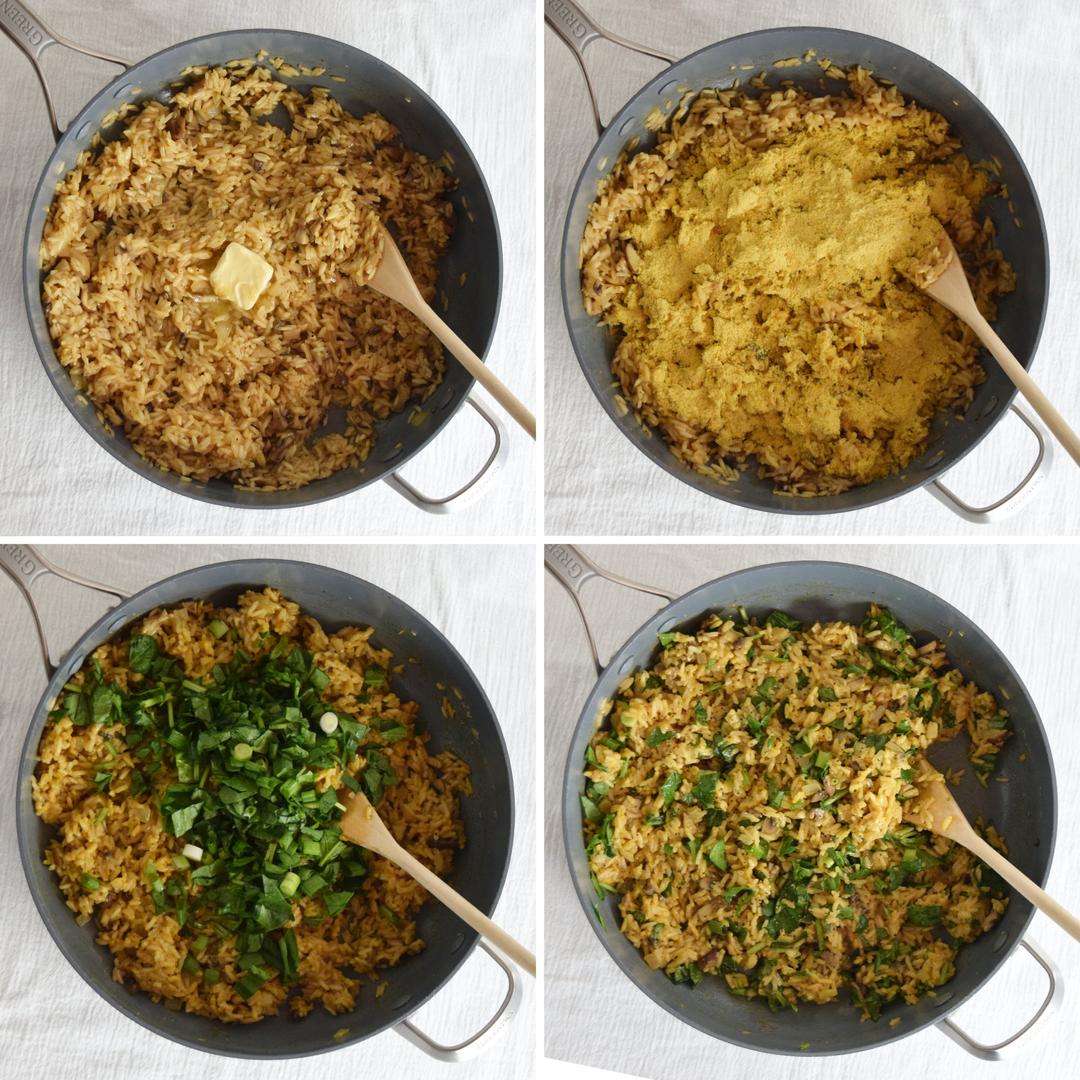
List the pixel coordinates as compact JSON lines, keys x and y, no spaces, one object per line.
{"x":1026,"y":385}
{"x":1023,"y":884}
{"x":465,"y":911}
{"x":474,"y":365}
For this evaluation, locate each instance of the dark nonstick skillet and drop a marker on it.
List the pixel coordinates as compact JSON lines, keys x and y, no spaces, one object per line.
{"x":1021,"y":313}
{"x":336,"y":599}
{"x":369,"y":85}
{"x":1024,"y":810}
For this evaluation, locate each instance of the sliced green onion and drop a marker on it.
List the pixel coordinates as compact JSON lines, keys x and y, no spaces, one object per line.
{"x":289,"y":884}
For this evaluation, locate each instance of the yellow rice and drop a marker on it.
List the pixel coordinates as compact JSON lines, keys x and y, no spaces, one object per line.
{"x":200,"y":387}
{"x":754,"y":268}
{"x":814,"y":749}
{"x":112,"y":836}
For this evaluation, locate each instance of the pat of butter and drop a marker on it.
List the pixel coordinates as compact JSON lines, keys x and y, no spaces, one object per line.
{"x":241,"y":276}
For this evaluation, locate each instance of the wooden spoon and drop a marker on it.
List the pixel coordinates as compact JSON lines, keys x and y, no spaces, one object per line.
{"x":392,"y":279}
{"x":361,"y":825}
{"x":935,"y":809}
{"x":952,"y":290}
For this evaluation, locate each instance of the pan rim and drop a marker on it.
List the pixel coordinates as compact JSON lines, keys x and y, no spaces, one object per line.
{"x":572,"y":846}
{"x":30,"y":854}
{"x":286,"y":499}
{"x":799,"y":506}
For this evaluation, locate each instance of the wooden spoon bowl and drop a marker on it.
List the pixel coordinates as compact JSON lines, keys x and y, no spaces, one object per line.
{"x":391,"y":278}
{"x":937,"y":811}
{"x":361,"y":825}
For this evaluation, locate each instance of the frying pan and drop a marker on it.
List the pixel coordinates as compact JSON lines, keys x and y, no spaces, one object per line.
{"x":336,"y":599}
{"x":1020,"y":314}
{"x":370,"y":85}
{"x":1024,"y":810}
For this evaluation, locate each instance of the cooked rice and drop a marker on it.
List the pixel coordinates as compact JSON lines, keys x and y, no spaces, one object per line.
{"x":199,"y":387}
{"x":754,"y":268}
{"x":113,"y":835}
{"x":746,"y":804}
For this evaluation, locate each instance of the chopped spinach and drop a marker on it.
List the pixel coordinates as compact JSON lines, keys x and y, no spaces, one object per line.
{"x":783,"y":620}
{"x":923,"y":915}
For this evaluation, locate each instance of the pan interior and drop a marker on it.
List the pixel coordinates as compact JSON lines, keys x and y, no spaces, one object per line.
{"x":335,"y":599}
{"x":1019,"y":228}
{"x":369,"y":85}
{"x":1023,"y":809}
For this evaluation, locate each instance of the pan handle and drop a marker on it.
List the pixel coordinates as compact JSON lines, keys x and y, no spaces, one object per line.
{"x":31,"y":34}
{"x":24,"y":565}
{"x":1049,"y":1004}
{"x":572,"y":568}
{"x":579,"y":31}
{"x":1009,"y":504}
{"x":448,"y":503}
{"x":474,"y":1044}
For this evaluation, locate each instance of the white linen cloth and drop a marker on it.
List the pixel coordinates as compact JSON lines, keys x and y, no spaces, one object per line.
{"x":1024,"y":598}
{"x":54,"y":1025}
{"x":477,"y":62}
{"x":1019,"y":61}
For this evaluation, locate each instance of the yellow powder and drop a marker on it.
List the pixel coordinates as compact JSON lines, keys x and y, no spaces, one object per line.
{"x":751,"y":266}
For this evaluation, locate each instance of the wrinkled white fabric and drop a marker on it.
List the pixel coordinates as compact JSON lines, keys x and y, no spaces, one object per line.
{"x":54,"y":1025}
{"x":1024,"y":598}
{"x":477,"y":63}
{"x":1018,"y":61}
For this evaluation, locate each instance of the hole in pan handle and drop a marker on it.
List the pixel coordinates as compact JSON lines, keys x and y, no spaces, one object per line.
{"x":572,"y":568}
{"x":579,"y":31}
{"x":457,"y":499}
{"x":474,"y":1044}
{"x":24,"y":565}
{"x":1013,"y":501}
{"x":32,"y":36}
{"x":1049,"y":1004}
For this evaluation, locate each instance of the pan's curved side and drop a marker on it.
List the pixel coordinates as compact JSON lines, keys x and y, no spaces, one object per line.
{"x":369,"y":85}
{"x":1021,"y":235}
{"x":1024,"y":809}
{"x":336,"y":599}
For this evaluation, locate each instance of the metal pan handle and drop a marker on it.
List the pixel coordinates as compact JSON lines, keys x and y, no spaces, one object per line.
{"x":1008,"y":504}
{"x":1052,"y":1000}
{"x":474,"y":1044}
{"x":572,"y":568}
{"x":455,"y":501}
{"x":579,"y":31}
{"x":32,"y":36}
{"x":24,"y":565}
